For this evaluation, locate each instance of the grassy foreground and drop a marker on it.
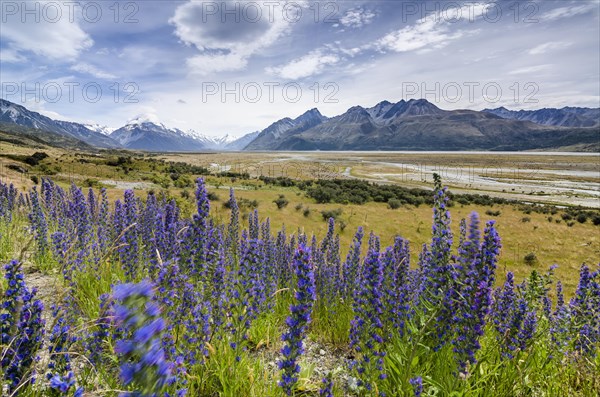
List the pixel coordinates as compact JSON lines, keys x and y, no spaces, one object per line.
{"x":149,"y":301}
{"x":546,"y":239}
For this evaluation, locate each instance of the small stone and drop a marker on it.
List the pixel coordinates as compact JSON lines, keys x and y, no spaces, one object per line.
{"x":352,"y":383}
{"x":322,"y":352}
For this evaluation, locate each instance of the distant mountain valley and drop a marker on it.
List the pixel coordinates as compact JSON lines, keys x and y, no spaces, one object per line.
{"x":416,"y":124}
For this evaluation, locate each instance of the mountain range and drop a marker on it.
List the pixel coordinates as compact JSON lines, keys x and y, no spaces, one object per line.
{"x":406,"y":125}
{"x":270,"y":137}
{"x":420,"y":125}
{"x":143,"y":134}
{"x":16,"y":114}
{"x":565,"y":117}
{"x":138,"y":134}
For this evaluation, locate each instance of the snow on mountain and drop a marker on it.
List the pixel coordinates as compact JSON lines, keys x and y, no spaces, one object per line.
{"x":378,"y":111}
{"x":146,"y":133}
{"x":225,"y":143}
{"x":209,"y":141}
{"x":102,"y":129}
{"x":17,"y":114}
{"x":9,"y":109}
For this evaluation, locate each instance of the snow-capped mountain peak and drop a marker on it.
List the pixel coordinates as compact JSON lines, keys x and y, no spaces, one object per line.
{"x":145,"y":118}
{"x":225,"y":142}
{"x":103,"y":129}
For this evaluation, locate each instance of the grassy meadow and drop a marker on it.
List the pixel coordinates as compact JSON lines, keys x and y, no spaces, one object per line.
{"x":522,"y":233}
{"x":133,"y":274}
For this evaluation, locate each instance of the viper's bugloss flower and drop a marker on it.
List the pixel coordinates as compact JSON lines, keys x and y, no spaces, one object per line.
{"x":417,"y":384}
{"x":39,"y":225}
{"x":515,"y":322}
{"x":60,"y":342}
{"x":98,"y":335}
{"x":189,"y":313}
{"x":129,"y":247}
{"x":246,"y":292}
{"x":439,"y":275}
{"x":80,"y":214}
{"x":352,"y":264}
{"x":62,"y":386}
{"x":143,"y":365}
{"x":560,"y":321}
{"x":9,"y":202}
{"x":366,"y":332}
{"x":585,"y":312}
{"x":471,"y":305}
{"x":216,"y":283}
{"x":326,"y":389}
{"x":22,"y":328}
{"x":396,"y":285}
{"x":299,"y":319}
{"x":233,"y":228}
{"x":437,"y":288}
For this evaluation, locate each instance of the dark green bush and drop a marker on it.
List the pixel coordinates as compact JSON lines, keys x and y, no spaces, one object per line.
{"x":242,"y":203}
{"x":278,"y":181}
{"x":212,"y":196}
{"x":331,"y":214}
{"x":394,"y":203}
{"x":89,"y":182}
{"x":281,"y":202}
{"x":183,"y":181}
{"x":35,"y":158}
{"x":566,"y":217}
{"x":581,"y":217}
{"x":530,"y":259}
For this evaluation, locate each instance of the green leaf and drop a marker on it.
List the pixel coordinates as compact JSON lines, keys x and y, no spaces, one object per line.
{"x":415,"y":361}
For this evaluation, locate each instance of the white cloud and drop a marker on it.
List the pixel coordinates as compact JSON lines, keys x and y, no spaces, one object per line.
{"x":12,"y":56}
{"x":57,"y":39}
{"x":569,"y":11}
{"x":204,"y":64}
{"x":432,"y":30}
{"x":149,"y":116}
{"x":553,"y":45}
{"x":357,"y":18}
{"x":39,"y":107}
{"x":414,"y":37}
{"x":86,"y":68}
{"x":428,"y":33}
{"x":226,"y":41}
{"x":530,"y":69}
{"x":310,"y":64}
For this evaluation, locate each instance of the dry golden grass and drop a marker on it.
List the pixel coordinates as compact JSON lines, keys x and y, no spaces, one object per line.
{"x":552,"y":243}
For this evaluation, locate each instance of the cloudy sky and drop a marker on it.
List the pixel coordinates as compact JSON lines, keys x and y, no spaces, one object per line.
{"x":237,"y":66}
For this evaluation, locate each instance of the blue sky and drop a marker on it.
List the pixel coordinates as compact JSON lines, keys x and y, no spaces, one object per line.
{"x":237,"y":66}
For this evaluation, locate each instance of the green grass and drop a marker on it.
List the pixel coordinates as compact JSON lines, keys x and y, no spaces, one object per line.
{"x":540,"y":371}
